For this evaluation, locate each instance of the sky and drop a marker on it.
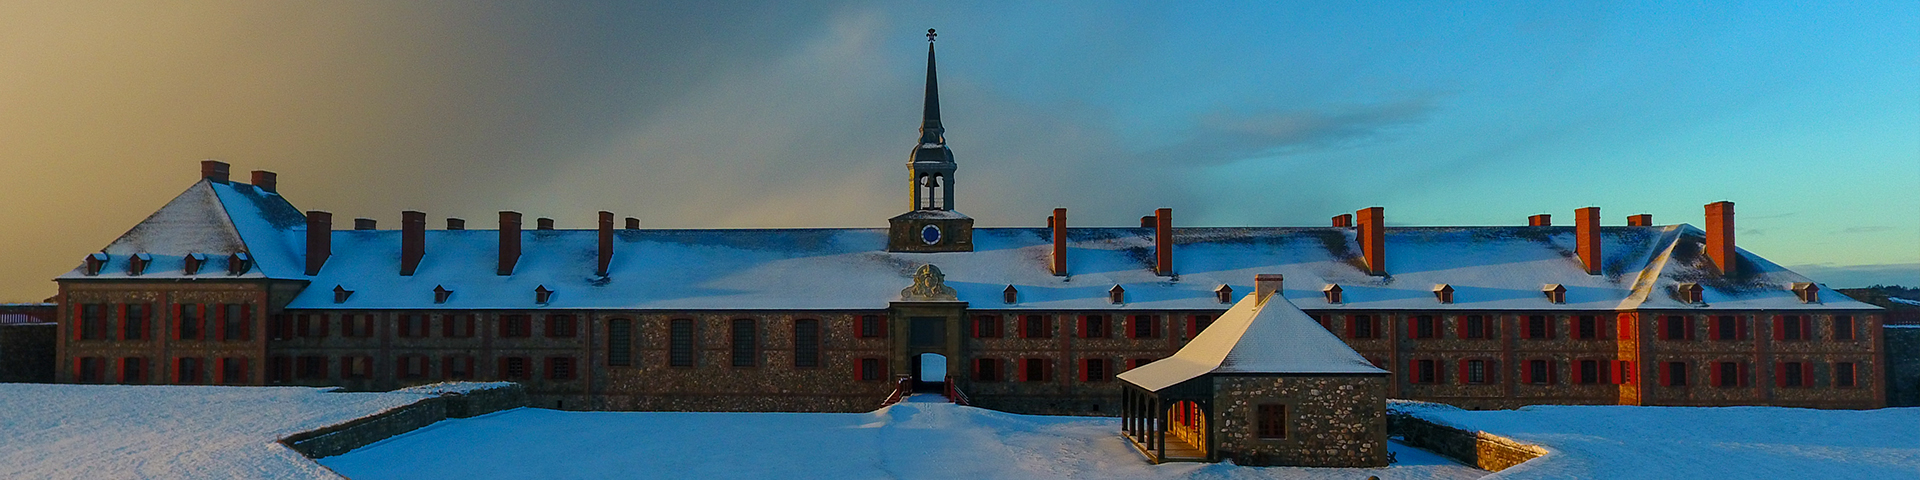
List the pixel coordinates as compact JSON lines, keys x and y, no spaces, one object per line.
{"x":802,"y":114}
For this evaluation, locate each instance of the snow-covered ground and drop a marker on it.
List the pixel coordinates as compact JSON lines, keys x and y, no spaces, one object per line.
{"x":1701,"y":442}
{"x":917,"y":439}
{"x":114,"y":432}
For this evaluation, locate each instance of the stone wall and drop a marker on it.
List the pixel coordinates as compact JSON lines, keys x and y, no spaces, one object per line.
{"x":27,"y":352}
{"x":1064,"y":351}
{"x":342,"y":438}
{"x":1903,"y":366}
{"x":1332,"y":421}
{"x":1487,"y":451}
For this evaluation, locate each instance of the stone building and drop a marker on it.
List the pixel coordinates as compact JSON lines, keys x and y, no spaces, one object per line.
{"x":1264,"y":385}
{"x":230,"y":283}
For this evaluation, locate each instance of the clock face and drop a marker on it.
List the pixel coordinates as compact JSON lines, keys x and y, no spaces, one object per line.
{"x":930,"y":234}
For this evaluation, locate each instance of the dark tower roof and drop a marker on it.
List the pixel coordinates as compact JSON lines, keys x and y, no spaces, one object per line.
{"x":930,"y":130}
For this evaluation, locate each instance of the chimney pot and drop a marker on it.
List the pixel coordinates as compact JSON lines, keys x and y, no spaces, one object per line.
{"x":214,"y":170}
{"x":1265,"y":285}
{"x":1371,"y":231}
{"x":1641,"y":220}
{"x":606,"y":242}
{"x":456,"y":224}
{"x":1147,"y":222}
{"x":365,"y":224}
{"x":1586,"y":233}
{"x":319,"y":240}
{"x":509,"y":241}
{"x":1541,"y":220}
{"x":413,"y":240}
{"x":543,"y":224}
{"x":633,"y":223}
{"x":1720,"y":237}
{"x":1058,"y":223}
{"x":266,"y":180}
{"x":1343,"y":220}
{"x":1162,"y":242}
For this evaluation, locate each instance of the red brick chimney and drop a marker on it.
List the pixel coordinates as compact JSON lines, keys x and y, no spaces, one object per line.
{"x":1541,"y":220}
{"x":266,"y":180}
{"x":319,"y":240}
{"x":509,"y":241}
{"x":1586,"y":238}
{"x":1265,"y":285}
{"x":1343,"y":220}
{"x":1163,"y":242}
{"x":1058,"y":223}
{"x":606,"y":242}
{"x":365,"y":224}
{"x":1373,"y":238}
{"x":1720,"y":237}
{"x":633,"y":223}
{"x":413,"y":240}
{"x":456,"y":224}
{"x":543,"y":224}
{"x":1641,"y":220}
{"x":214,"y":170}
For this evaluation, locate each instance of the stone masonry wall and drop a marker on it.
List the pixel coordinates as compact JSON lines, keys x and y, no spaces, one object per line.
{"x":27,"y":353}
{"x":1487,"y":451}
{"x":342,"y":438}
{"x":1903,"y":366}
{"x":1332,"y":421}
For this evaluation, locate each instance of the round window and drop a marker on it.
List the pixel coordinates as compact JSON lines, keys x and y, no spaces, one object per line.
{"x":930,"y":234}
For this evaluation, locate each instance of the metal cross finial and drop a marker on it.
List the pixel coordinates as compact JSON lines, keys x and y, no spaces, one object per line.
{"x":930,"y":35}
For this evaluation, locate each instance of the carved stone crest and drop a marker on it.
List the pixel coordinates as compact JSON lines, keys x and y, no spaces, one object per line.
{"x":929,"y":285}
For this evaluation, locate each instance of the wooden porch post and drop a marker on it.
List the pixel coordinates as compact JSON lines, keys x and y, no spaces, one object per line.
{"x":1160,"y":431}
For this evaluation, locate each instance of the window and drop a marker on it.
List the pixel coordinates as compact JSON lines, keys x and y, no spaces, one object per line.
{"x":1843,"y":327}
{"x":1333,"y":293}
{"x":312,"y":325}
{"x":680,"y":343}
{"x":1010,"y":295}
{"x":1425,"y":372}
{"x":560,"y":368}
{"x":280,"y":327}
{"x":745,"y":346}
{"x":188,"y":371}
{"x":1035,"y":370}
{"x":356,"y":367}
{"x":1589,"y":328}
{"x":1198,"y":324}
{"x":90,"y":370}
{"x":620,"y":342}
{"x":187,"y":322}
{"x":457,"y":325}
{"x":1791,"y":374}
{"x":1424,"y":326}
{"x":93,"y":321}
{"x":1476,"y":372}
{"x":134,"y":323}
{"x":1361,"y":326}
{"x":516,"y":326}
{"x":1790,"y":328}
{"x":1325,"y":321}
{"x":1727,"y":374}
{"x":871,"y":326}
{"x":1146,"y":326}
{"x":357,"y":326}
{"x":133,"y":370}
{"x":1537,"y":327}
{"x":1676,"y":374}
{"x":561,"y":326}
{"x":313,"y":367}
{"x":233,"y":371}
{"x":515,"y":368}
{"x":410,"y":326}
{"x":1623,"y":372}
{"x":1093,"y":326}
{"x":1272,"y":421}
{"x":1224,"y":294}
{"x":986,"y":326}
{"x":1676,"y":327}
{"x":1035,"y":326}
{"x":1474,"y":326}
{"x":411,"y":367}
{"x":279,"y":369}
{"x":1094,"y":370}
{"x":872,"y":370}
{"x":1139,"y":362}
{"x":1539,"y":372}
{"x":457,"y":367}
{"x":986,"y":370}
{"x":806,"y":343}
{"x":1589,"y":373}
{"x":1726,"y":327}
{"x":234,"y":322}
{"x":1843,"y":374}
{"x":1117,"y":295}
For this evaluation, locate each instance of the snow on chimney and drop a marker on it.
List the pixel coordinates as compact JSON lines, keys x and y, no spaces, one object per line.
{"x":543,"y":224}
{"x":1720,"y":237}
{"x":364,"y":224}
{"x":509,"y":241}
{"x":1586,"y":237}
{"x":1541,"y":220}
{"x":1343,"y":220}
{"x":214,"y":170}
{"x":606,"y":242}
{"x":1265,"y":285}
{"x":266,"y":180}
{"x":1163,"y":242}
{"x":319,"y":240}
{"x":1373,"y":239}
{"x":456,"y":224}
{"x":1058,"y":223}
{"x":1641,"y":220}
{"x":413,"y":240}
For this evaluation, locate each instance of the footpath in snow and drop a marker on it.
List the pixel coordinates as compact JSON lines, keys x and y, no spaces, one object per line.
{"x":922,"y":438}
{"x":173,"y":432}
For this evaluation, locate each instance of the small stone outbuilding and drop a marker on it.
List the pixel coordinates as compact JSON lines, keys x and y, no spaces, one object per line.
{"x":1263,"y":385}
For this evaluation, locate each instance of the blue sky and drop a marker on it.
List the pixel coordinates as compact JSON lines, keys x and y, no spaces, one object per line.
{"x":786,"y":115}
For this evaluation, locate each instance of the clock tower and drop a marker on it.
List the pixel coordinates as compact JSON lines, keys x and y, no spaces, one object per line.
{"x":932,"y":225}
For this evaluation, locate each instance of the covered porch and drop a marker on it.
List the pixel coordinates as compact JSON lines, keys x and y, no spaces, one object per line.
{"x":1169,"y":425}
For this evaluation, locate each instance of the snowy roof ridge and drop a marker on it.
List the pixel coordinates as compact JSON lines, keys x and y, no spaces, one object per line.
{"x":216,"y":220}
{"x":1255,"y":337}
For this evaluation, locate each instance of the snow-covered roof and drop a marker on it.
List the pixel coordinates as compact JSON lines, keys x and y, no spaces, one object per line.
{"x":1489,"y":268}
{"x":1255,"y":337}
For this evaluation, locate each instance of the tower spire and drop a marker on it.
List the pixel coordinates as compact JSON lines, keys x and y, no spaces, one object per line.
{"x":930,"y":130}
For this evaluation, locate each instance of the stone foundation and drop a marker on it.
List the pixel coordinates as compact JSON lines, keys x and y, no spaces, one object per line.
{"x":1332,"y":421}
{"x":27,"y":352}
{"x":1487,"y":451}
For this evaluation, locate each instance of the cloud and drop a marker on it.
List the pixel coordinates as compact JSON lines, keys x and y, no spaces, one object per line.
{"x":1857,"y":276}
{"x":1866,"y":229}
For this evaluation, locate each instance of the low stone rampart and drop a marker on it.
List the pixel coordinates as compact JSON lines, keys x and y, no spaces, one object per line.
{"x":1487,"y":451}
{"x":450,"y":403}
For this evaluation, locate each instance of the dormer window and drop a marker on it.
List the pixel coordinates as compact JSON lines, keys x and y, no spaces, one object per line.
{"x":1224,"y":293}
{"x":341,"y":293}
{"x":1332,"y":290}
{"x":1689,"y":292}
{"x":542,"y":295}
{"x":1117,"y":295}
{"x":1010,"y":295}
{"x":1555,"y":292}
{"x":192,"y":263}
{"x":440,"y":294}
{"x":239,"y":263}
{"x":1807,"y":291}
{"x":1443,"y":293}
{"x":137,"y":264}
{"x":95,"y":262}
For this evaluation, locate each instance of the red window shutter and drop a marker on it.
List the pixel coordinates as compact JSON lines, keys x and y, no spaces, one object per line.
{"x":1526,"y":372}
{"x":79,"y":368}
{"x":502,"y":373}
{"x":1779,"y":328}
{"x":1713,"y":374}
{"x":1687,"y":323}
{"x":1553,"y":370}
{"x":242,"y":368}
{"x":324,"y":320}
{"x":1083,"y":369}
{"x":1133,"y":329}
{"x":1779,"y":370}
{"x":178,"y":320}
{"x":119,"y":315}
{"x":1083,"y":326}
{"x":1463,"y":372}
{"x":446,"y":326}
{"x":1350,"y":325}
{"x":1411,"y":327}
{"x":1666,"y":374}
{"x":1806,"y":327}
{"x":1739,"y":328}
{"x":177,"y":370}
{"x":1550,"y":330}
{"x":1193,"y":326}
{"x":1663,"y":325}
{"x":1020,"y":369}
{"x":78,"y":325}
{"x":883,"y":332}
{"x":246,"y":322}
